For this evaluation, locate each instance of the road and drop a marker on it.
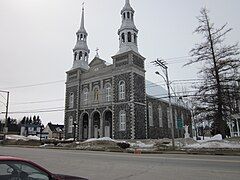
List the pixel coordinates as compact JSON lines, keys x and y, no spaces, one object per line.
{"x":118,"y":166}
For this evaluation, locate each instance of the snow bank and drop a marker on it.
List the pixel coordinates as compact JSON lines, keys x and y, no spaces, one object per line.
{"x":216,"y":137}
{"x":33,"y":137}
{"x":214,"y":144}
{"x":141,"y":145}
{"x":18,"y":137}
{"x":100,"y":139}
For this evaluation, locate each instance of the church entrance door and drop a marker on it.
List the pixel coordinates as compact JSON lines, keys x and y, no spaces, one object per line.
{"x":108,"y":124}
{"x":96,"y":125}
{"x":107,"y":130}
{"x":85,"y":126}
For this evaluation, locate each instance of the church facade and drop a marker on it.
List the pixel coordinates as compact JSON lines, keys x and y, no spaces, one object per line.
{"x":111,"y":100}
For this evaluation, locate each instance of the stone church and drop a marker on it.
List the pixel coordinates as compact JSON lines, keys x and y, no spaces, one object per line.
{"x":105,"y":100}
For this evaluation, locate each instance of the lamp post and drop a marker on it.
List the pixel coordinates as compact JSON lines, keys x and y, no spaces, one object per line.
{"x":163,"y":65}
{"x":74,"y":130}
{"x":6,"y":115}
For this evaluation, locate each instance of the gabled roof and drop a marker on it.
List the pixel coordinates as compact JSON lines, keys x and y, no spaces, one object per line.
{"x":97,"y":62}
{"x":56,"y":127}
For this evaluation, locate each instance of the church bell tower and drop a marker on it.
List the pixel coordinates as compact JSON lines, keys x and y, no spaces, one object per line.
{"x":73,"y":82}
{"x":129,"y":77}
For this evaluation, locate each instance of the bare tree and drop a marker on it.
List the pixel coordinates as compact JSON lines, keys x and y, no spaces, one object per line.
{"x":219,"y":71}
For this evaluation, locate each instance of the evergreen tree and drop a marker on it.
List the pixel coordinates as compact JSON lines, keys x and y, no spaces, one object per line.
{"x":220,"y":72}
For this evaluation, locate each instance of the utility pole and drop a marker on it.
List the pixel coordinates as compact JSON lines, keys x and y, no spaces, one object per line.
{"x":6,"y":115}
{"x":162,"y":64}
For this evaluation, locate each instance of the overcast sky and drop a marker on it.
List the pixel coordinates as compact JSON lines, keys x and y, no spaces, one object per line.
{"x":37,"y":38}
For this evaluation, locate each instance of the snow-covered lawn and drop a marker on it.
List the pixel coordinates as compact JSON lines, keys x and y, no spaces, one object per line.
{"x":106,"y":143}
{"x":214,"y":142}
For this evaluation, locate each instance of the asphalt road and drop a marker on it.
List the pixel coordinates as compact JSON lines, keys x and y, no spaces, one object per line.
{"x":118,"y":166}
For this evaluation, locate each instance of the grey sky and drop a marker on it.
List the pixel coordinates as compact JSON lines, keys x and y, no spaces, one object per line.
{"x":37,"y":38}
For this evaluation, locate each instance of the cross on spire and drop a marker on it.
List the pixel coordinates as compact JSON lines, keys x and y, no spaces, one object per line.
{"x":97,"y":55}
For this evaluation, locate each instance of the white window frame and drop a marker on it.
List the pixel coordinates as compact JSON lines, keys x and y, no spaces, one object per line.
{"x":70,"y":124}
{"x":121,"y":90}
{"x":108,"y":89}
{"x":122,"y":121}
{"x":150,"y":114}
{"x":160,"y":114}
{"x":71,"y":100}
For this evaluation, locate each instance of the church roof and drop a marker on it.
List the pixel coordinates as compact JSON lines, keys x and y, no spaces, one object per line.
{"x":127,"y":7}
{"x":82,"y":28}
{"x":96,"y":62}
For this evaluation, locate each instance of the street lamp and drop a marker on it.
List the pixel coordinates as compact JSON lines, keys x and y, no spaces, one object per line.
{"x":74,"y":130}
{"x":163,"y":65}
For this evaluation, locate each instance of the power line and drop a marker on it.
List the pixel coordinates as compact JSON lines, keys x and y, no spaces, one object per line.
{"x":37,"y":102}
{"x":33,"y":85}
{"x":40,"y":111}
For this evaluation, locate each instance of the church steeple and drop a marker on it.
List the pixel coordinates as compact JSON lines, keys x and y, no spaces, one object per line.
{"x":128,"y":31}
{"x":81,"y":51}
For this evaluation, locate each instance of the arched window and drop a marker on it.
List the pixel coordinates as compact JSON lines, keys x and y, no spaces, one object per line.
{"x":128,"y":15}
{"x":80,"y":55}
{"x":70,"y":124}
{"x":131,"y":15}
{"x":160,"y":116}
{"x":150,"y":114}
{"x":96,"y":94}
{"x":71,"y":100}
{"x":108,"y":92}
{"x":129,"y":37}
{"x":85,"y":96}
{"x":85,"y":37}
{"x":81,"y":37}
{"x":135,"y":38}
{"x":123,"y":37}
{"x":122,"y":120}
{"x":77,"y":37}
{"x":124,"y":16}
{"x":121,"y":90}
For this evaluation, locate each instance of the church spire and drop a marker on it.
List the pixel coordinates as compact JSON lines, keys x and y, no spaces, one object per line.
{"x":128,"y":31}
{"x":81,"y":51}
{"x":82,"y":28}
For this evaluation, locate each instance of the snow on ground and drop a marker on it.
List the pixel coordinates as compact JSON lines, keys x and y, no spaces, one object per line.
{"x":100,"y":139}
{"x":18,"y":137}
{"x":33,"y":137}
{"x":141,"y":145}
{"x":214,"y":142}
